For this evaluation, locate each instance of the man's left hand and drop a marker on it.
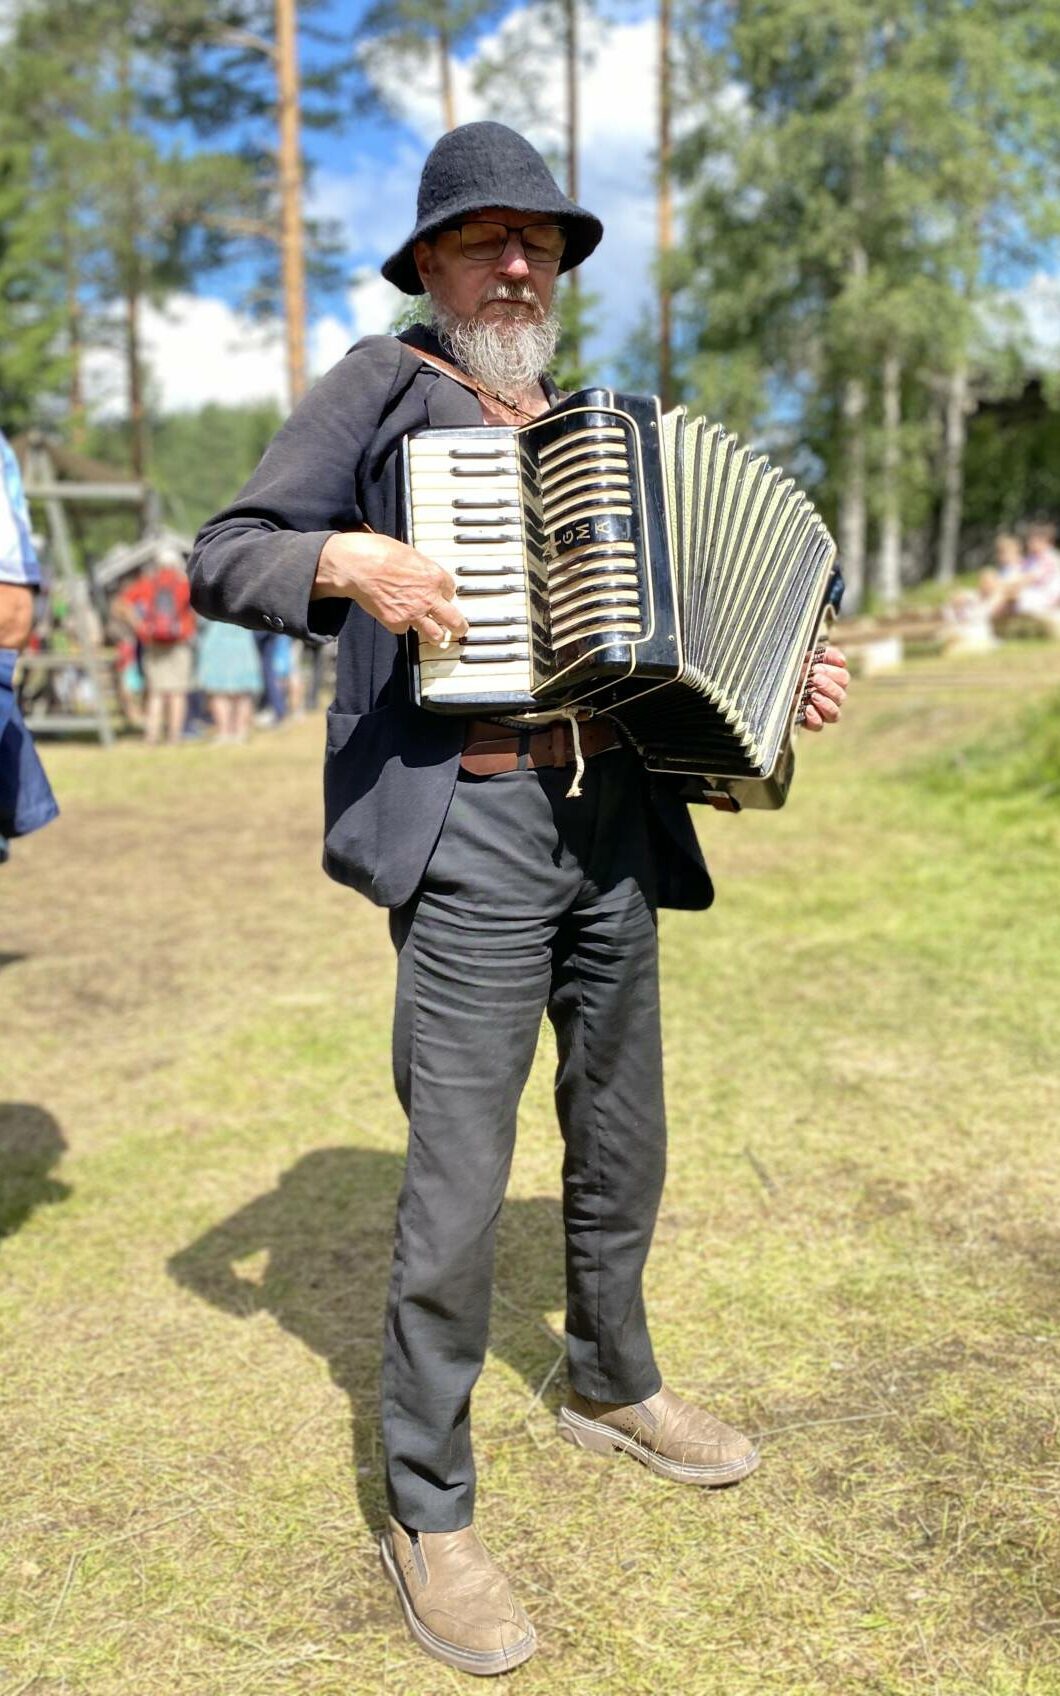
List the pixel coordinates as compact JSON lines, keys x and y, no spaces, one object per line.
{"x":826,"y":689}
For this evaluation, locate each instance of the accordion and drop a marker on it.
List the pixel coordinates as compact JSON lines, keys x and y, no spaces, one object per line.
{"x":611,"y":558}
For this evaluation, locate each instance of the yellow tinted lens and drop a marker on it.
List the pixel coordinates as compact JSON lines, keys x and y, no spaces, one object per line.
{"x":483,"y":241}
{"x":544,"y":241}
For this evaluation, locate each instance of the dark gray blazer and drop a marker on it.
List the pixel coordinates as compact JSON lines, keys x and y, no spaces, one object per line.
{"x":389,"y":767}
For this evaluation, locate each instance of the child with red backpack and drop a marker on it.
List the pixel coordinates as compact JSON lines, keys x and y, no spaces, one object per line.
{"x":157,"y":608}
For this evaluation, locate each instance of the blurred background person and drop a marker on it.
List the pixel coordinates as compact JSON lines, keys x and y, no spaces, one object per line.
{"x":284,"y":665}
{"x":296,"y":682}
{"x":157,"y":608}
{"x":1039,"y":595}
{"x":229,"y":672}
{"x":127,"y":667}
{"x":271,"y":648}
{"x":26,"y":799}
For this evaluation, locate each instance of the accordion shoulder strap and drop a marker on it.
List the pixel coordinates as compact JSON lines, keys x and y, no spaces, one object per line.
{"x":498,"y":403}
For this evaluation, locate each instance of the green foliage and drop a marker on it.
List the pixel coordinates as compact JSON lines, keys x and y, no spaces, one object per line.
{"x":199,"y":459}
{"x":416,"y":309}
{"x":102,"y":202}
{"x":31,"y":314}
{"x":118,"y":211}
{"x":576,"y":311}
{"x":1012,"y":462}
{"x":853,"y":180}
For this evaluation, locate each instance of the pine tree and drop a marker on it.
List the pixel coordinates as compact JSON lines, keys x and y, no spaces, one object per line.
{"x":130,"y":218}
{"x":240,"y":72}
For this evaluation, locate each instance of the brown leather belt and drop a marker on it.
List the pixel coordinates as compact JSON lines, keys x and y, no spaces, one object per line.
{"x":490,"y":748}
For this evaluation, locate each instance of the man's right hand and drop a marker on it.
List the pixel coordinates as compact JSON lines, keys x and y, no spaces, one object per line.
{"x":403,"y":589}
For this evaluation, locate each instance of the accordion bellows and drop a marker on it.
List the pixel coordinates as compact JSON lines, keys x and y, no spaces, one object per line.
{"x":647,"y":566}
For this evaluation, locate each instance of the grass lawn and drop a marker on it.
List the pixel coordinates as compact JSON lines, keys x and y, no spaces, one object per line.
{"x":858,"y":1255}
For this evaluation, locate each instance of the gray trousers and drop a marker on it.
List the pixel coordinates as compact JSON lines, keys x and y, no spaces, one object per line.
{"x":532,"y":902}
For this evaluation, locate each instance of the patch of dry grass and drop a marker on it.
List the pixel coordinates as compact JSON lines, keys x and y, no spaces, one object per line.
{"x":858,"y":1254}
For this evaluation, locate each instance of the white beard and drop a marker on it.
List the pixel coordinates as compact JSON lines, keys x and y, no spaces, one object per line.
{"x":502,"y":352}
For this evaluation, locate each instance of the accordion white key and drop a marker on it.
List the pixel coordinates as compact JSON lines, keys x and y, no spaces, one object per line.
{"x":611,"y":558}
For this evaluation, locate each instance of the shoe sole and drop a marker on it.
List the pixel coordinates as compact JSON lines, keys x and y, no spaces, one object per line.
{"x":485,"y":1663}
{"x":603,"y":1439}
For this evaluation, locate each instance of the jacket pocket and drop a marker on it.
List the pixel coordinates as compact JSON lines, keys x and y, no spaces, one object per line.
{"x":348,"y":781}
{"x":388,"y":780}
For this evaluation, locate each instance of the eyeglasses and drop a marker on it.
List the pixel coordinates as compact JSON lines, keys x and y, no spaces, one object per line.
{"x":543,"y":244}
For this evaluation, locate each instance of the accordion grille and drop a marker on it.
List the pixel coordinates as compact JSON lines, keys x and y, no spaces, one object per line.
{"x":585,"y":491}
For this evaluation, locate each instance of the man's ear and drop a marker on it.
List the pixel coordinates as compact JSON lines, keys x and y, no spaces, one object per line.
{"x":423,"y":254}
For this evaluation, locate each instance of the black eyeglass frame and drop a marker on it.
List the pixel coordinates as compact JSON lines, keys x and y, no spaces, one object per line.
{"x":520,"y":230}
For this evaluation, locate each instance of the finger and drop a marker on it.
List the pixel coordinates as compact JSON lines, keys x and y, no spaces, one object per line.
{"x":825,"y":709}
{"x":833,"y":656}
{"x":446,"y":587}
{"x":827,"y":686}
{"x":448,"y":615}
{"x":811,"y":718}
{"x":429,"y":630}
{"x":838,"y":672}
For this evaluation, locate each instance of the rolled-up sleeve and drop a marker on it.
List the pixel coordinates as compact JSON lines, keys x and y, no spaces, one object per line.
{"x":255,"y":562}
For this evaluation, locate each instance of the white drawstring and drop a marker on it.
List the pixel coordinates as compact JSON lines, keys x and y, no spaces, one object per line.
{"x":579,"y":758}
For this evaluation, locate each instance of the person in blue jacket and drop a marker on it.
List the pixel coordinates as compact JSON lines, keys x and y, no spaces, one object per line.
{"x":26,"y":799}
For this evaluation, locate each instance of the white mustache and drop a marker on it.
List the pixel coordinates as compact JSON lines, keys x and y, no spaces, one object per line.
{"x":520,"y":293}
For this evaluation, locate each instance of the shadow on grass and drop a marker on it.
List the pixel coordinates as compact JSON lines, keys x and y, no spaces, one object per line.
{"x":326,"y":1233}
{"x":31,"y":1143}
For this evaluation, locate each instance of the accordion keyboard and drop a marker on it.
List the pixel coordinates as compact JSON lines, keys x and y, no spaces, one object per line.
{"x":467,"y":516}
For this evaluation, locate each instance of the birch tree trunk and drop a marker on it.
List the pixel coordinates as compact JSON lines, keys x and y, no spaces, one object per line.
{"x":852,"y":497}
{"x":890,"y":573}
{"x":852,"y":524}
{"x":953,"y":473}
{"x":853,"y":521}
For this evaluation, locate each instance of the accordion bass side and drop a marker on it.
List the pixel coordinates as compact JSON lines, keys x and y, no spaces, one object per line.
{"x":611,"y":558}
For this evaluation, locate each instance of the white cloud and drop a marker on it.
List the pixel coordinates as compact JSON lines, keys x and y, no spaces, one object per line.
{"x":374,"y":304}
{"x":1038,"y":307}
{"x":201,"y":349}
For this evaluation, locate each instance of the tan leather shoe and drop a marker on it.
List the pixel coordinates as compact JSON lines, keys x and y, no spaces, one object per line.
{"x":458,"y":1604}
{"x":668,"y":1435}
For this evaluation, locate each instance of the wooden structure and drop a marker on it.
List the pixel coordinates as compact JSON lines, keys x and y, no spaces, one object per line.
{"x":57,"y":482}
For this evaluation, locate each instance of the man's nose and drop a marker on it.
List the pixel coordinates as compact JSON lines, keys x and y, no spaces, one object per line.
{"x":512,"y":262}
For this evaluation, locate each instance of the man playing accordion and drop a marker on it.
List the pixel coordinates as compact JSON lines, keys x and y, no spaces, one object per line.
{"x":509,"y":894}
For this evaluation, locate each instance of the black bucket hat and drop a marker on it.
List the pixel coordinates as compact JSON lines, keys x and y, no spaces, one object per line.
{"x":481,"y":165}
